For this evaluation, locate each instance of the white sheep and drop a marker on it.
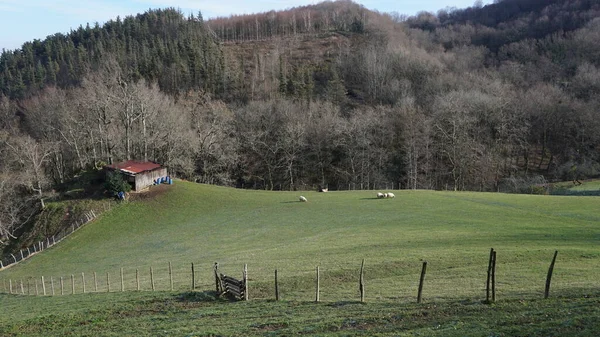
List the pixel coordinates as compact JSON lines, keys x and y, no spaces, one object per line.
{"x":390,"y":195}
{"x":385,"y":195}
{"x":303,"y":199}
{"x":380,"y":195}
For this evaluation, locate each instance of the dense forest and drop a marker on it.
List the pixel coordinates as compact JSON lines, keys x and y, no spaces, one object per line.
{"x":503,"y":97}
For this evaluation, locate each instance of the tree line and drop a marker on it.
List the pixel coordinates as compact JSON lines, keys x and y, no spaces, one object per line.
{"x":418,"y":102}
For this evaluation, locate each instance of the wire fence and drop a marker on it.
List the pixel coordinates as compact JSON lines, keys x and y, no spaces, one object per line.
{"x":330,"y":281}
{"x":48,"y":242}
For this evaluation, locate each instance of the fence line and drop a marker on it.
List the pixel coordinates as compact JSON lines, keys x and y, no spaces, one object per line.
{"x":176,"y":277}
{"x":48,"y":242}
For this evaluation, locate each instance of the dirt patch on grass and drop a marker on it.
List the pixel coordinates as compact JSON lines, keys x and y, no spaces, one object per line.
{"x":150,"y":193}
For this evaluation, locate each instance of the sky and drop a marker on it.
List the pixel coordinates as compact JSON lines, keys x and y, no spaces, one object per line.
{"x":26,"y":20}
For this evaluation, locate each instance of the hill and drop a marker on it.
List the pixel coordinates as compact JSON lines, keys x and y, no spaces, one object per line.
{"x":268,"y":230}
{"x":203,"y":224}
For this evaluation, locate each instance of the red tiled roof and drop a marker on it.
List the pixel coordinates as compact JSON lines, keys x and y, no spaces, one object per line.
{"x":133,"y":167}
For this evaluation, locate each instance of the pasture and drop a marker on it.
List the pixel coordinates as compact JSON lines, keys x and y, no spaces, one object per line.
{"x":202,"y":224}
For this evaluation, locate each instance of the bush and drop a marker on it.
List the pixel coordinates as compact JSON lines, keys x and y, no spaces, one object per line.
{"x":115,"y":183}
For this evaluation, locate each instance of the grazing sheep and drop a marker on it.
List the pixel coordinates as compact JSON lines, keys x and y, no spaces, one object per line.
{"x":303,"y":199}
{"x":380,"y":195}
{"x":390,"y":195}
{"x":385,"y":195}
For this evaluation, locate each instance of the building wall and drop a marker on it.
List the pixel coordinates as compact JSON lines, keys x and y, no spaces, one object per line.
{"x":145,"y":179}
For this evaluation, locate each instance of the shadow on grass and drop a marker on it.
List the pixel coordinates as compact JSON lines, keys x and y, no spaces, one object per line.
{"x":588,"y":193}
{"x":374,"y":198}
{"x":199,"y":296}
{"x":344,"y":303}
{"x":291,"y":202}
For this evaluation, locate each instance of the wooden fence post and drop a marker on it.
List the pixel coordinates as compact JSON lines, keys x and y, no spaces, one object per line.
{"x":107,"y":282}
{"x":122,"y":280}
{"x":83,"y":281}
{"x":217,"y":283}
{"x":361,"y":282}
{"x":245,"y":276}
{"x":171,"y":275}
{"x":549,"y":276}
{"x":318,"y":286}
{"x":10,"y":286}
{"x":276,"y":287}
{"x":494,"y":277}
{"x":36,"y":288}
{"x":72,"y":284}
{"x":43,"y":286}
{"x":23,"y":289}
{"x":193,"y":278}
{"x":421,"y":280}
{"x":62,"y":286}
{"x":95,"y":283}
{"x":152,"y":278}
{"x":137,"y":279}
{"x":489,"y":277}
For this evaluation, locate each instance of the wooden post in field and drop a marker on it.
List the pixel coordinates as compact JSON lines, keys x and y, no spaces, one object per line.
{"x":72,"y":284}
{"x":549,"y":276}
{"x":217,"y":283}
{"x":43,"y":286}
{"x":489,"y":277}
{"x":10,"y":286}
{"x":137,"y":279}
{"x":36,"y":288}
{"x":122,"y":280}
{"x":276,"y":287}
{"x":494,"y":277}
{"x":318,"y":286}
{"x":421,"y":280}
{"x":23,"y":289}
{"x":95,"y":283}
{"x":361,"y":282}
{"x":107,"y":282}
{"x":152,"y":278}
{"x":193,"y":278}
{"x":83,"y":282}
{"x":245,"y":276}
{"x":171,"y":275}
{"x":52,"y":284}
{"x":62,"y":286}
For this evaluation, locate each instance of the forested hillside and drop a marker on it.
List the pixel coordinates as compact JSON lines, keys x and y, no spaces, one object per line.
{"x":496,"y":98}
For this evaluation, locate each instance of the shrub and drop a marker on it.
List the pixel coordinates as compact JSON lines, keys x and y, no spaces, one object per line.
{"x":115,"y":183}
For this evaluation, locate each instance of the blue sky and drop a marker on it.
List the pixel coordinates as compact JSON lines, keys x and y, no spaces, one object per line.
{"x":25,"y":20}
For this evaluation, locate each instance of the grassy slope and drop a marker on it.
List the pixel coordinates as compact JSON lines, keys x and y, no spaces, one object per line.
{"x":198,"y":314}
{"x":268,"y":230}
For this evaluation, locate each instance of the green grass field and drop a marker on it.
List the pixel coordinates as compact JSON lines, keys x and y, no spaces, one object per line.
{"x":201,"y":224}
